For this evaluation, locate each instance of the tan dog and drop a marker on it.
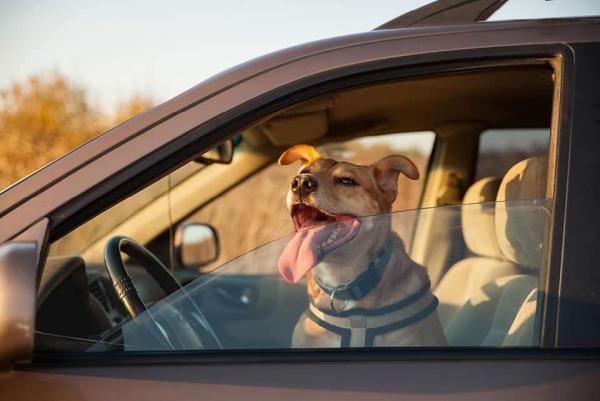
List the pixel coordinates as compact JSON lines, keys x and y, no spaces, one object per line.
{"x":363,"y":288}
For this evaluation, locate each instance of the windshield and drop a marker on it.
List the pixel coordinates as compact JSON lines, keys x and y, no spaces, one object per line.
{"x":261,"y":300}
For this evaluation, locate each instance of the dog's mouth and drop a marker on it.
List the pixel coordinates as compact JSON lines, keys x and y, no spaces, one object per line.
{"x":317,"y":233}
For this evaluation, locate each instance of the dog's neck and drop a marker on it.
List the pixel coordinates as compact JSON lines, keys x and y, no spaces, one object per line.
{"x":363,"y":281}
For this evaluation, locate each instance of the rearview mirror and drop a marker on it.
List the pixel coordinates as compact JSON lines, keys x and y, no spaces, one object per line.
{"x":196,"y":245}
{"x":222,"y":154}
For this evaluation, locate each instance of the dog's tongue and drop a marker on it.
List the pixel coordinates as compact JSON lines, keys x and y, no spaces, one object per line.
{"x":309,"y":245}
{"x":301,"y":254}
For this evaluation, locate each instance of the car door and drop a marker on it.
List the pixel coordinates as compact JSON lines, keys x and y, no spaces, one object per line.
{"x":547,"y":371}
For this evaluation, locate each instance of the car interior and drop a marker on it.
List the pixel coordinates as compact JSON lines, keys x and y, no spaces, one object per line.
{"x":483,"y":257}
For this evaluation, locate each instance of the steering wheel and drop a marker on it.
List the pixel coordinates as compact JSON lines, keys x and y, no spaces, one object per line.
{"x":181,"y":328}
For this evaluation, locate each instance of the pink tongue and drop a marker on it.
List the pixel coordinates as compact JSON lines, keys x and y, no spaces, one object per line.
{"x":300,"y":255}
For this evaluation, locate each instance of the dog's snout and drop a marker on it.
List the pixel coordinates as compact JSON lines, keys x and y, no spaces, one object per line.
{"x":304,"y":184}
{"x":309,"y":184}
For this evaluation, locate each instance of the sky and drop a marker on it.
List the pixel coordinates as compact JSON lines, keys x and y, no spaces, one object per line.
{"x":117,"y":48}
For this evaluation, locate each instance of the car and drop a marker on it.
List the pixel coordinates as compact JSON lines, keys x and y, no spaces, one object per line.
{"x":143,"y":264}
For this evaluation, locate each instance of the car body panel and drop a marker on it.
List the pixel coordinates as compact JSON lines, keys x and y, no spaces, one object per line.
{"x":409,"y":379}
{"x":577,"y":296}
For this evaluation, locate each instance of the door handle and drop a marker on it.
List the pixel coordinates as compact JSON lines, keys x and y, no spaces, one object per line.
{"x":242,"y":298}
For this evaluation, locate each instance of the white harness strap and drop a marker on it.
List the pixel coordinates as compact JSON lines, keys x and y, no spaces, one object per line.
{"x":364,"y":325}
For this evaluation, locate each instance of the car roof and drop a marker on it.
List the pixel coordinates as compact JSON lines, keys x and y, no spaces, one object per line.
{"x":61,"y":168}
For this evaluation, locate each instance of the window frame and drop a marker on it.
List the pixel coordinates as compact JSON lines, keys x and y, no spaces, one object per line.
{"x":168,"y":158}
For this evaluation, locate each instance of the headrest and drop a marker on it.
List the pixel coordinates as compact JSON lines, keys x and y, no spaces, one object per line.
{"x":478,"y":224}
{"x":522,"y":215}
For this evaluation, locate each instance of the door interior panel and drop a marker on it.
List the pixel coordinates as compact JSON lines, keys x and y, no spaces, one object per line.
{"x":252,"y":311}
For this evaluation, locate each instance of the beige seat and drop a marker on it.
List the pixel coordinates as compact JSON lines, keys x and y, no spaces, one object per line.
{"x":522,"y":226}
{"x":465,"y":279}
{"x":517,"y":297}
{"x":524,"y":329}
{"x":502,"y":311}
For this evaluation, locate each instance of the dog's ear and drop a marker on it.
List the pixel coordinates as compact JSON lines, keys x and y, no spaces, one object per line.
{"x":387,"y":170}
{"x":305,"y":153}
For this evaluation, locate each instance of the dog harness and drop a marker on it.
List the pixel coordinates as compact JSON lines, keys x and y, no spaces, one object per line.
{"x":358,"y":327}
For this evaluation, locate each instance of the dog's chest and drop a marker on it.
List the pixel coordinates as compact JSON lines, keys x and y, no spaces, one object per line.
{"x":368,"y":328}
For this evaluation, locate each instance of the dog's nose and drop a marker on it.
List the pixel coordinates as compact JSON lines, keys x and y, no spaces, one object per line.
{"x":305,"y":184}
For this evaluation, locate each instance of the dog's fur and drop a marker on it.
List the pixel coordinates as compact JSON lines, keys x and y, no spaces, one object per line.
{"x":374,"y":194}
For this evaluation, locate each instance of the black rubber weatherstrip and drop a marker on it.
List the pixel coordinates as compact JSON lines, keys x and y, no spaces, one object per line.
{"x":58,"y":360}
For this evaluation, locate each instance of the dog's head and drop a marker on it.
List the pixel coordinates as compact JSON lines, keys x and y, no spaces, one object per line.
{"x":326,"y":201}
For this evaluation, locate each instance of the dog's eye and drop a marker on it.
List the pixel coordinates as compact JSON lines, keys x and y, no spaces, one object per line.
{"x":347,"y":181}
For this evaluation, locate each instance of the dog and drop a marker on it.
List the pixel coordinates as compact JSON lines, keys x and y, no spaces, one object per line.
{"x":363,"y":288}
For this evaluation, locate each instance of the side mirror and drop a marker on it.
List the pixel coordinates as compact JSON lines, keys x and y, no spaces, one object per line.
{"x":19,"y":269}
{"x":196,"y":245}
{"x":222,"y":154}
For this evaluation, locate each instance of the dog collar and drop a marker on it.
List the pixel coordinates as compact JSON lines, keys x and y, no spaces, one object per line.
{"x":359,"y":327}
{"x":362,"y":285}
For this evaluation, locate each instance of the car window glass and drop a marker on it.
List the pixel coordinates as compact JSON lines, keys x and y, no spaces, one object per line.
{"x":499,"y":149}
{"x":503,"y":312}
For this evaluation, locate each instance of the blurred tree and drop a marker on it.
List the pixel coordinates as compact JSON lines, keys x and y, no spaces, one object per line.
{"x":135,"y":105}
{"x":46,"y":116}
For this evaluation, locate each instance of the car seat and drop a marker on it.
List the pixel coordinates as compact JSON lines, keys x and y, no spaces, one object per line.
{"x":499,"y":312}
{"x":464,"y":280}
{"x":522,"y":226}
